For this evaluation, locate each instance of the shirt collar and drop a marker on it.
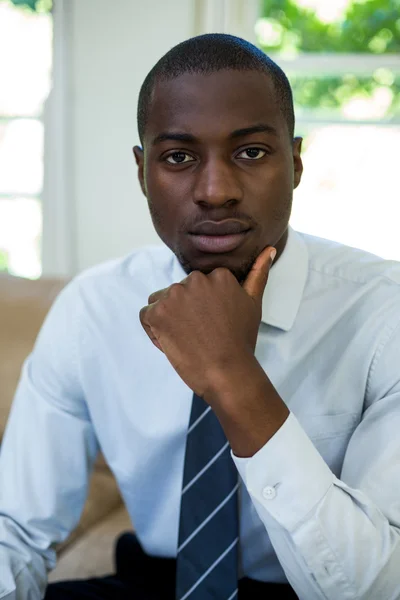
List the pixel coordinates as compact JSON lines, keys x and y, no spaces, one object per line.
{"x":285,"y":285}
{"x":286,"y":282}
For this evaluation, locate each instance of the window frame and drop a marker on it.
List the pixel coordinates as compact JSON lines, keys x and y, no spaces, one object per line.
{"x":59,"y":251}
{"x":321,"y":65}
{"x":16,"y":194}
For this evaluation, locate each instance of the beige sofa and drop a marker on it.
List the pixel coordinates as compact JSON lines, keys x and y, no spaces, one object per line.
{"x":89,"y":549}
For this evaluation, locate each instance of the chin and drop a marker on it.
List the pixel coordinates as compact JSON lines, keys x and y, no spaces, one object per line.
{"x":239,"y":267}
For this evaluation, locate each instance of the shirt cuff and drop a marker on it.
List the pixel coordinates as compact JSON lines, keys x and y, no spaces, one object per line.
{"x":287,"y":476}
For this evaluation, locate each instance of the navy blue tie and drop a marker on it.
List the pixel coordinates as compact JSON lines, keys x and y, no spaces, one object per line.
{"x":207,"y":560}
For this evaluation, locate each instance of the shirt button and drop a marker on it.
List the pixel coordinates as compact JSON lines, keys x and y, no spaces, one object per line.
{"x":269,"y":492}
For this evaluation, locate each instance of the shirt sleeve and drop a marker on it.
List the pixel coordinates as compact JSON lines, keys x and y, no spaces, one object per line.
{"x":43,"y":479}
{"x":337,"y":538}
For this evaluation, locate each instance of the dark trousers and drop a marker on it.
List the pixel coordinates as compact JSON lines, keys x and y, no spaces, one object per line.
{"x":143,"y":577}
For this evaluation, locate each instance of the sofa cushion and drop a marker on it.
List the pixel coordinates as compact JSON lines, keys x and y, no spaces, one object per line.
{"x":23,"y":307}
{"x":103,"y":498}
{"x":93,"y":554}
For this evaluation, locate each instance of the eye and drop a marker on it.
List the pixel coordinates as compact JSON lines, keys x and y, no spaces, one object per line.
{"x":178,"y":158}
{"x":252,"y":153}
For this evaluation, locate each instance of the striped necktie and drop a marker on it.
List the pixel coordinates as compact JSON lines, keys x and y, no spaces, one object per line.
{"x":207,"y":560}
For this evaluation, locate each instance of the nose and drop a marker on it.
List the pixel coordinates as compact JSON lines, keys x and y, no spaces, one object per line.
{"x":216,"y":184}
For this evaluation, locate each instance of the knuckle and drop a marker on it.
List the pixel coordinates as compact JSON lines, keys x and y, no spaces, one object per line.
{"x":160,"y":307}
{"x":143,"y":314}
{"x":197,"y":276}
{"x":222,"y":273}
{"x":194,"y":275}
{"x":147,"y":314}
{"x":174,"y":290}
{"x":154,"y":296}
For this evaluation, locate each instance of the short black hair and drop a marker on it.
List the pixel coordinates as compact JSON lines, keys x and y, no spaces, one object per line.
{"x":207,"y":54}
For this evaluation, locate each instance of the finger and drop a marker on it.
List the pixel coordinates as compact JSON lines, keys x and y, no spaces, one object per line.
{"x":156,"y":295}
{"x":164,"y":292}
{"x":147,"y":327}
{"x":257,"y":278}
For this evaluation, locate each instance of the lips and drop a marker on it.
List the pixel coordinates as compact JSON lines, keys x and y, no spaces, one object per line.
{"x":217,"y":237}
{"x":216,"y":228}
{"x":217,"y":244}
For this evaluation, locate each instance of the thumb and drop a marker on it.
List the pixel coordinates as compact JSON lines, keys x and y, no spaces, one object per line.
{"x":257,"y":278}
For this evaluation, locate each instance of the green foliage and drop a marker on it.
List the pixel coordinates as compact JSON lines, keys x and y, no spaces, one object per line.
{"x":332,"y":93}
{"x":3,"y":260}
{"x":41,"y":6}
{"x":366,"y":26}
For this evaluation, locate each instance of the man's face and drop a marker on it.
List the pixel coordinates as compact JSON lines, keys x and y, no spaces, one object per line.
{"x":217,"y":148}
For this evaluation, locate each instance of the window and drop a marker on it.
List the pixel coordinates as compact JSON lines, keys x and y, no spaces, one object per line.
{"x":343,"y":61}
{"x":25,"y":67}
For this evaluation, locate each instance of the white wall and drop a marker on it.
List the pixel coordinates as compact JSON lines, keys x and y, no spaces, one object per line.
{"x":93,"y":206}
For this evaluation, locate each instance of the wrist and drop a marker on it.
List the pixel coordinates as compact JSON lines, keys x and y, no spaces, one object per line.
{"x":247,"y":405}
{"x":231,"y":377}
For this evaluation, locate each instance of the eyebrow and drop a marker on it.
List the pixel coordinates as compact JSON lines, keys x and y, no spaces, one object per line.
{"x":260,"y":128}
{"x":176,"y":137}
{"x":188,"y":137}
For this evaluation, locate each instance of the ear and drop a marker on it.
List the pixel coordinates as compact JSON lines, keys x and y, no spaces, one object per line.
{"x":139,"y":157}
{"x":297,"y":162}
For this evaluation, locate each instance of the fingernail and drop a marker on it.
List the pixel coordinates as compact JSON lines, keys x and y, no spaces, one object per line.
{"x":272,"y":255}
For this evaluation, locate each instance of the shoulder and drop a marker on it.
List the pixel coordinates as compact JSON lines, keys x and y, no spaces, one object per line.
{"x":134,"y":275}
{"x":335,"y":260}
{"x":361,"y":287}
{"x":138,"y":265}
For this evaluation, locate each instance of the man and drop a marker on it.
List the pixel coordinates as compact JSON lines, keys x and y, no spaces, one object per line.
{"x":195,"y":362}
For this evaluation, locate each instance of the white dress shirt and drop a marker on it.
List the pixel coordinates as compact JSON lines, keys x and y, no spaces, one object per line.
{"x":319,"y":503}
